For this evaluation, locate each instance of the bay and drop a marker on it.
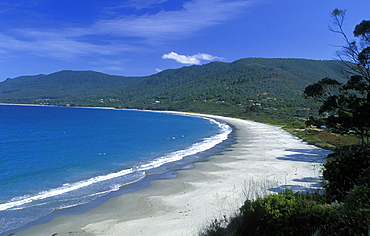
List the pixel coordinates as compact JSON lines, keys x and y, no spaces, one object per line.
{"x":58,"y":157}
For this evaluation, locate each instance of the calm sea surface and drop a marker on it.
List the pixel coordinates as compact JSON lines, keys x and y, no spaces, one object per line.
{"x":57,"y":157}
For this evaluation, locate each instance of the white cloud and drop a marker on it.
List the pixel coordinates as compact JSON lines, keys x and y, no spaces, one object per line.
{"x":194,"y":59}
{"x":59,"y":46}
{"x":122,"y":34}
{"x":195,"y":16}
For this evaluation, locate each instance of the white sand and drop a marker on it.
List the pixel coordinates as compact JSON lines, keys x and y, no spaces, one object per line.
{"x":263,"y":154}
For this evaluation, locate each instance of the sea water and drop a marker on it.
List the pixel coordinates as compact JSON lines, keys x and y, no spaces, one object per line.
{"x":58,"y":157}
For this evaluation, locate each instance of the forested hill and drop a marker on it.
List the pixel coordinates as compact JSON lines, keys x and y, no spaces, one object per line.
{"x":216,"y":87}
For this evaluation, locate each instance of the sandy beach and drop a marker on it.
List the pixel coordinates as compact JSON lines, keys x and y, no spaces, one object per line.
{"x":264,"y":155}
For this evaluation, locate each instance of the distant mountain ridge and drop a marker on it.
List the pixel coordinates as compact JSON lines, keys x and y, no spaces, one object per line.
{"x":61,"y":84}
{"x":273,"y":82}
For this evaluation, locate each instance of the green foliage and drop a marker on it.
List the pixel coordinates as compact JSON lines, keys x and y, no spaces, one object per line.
{"x":285,"y":213}
{"x":343,"y":171}
{"x":314,"y":121}
{"x":358,"y":198}
{"x":344,"y":110}
{"x":303,"y":214}
{"x":362,"y":29}
{"x":352,"y":217}
{"x":346,"y":106}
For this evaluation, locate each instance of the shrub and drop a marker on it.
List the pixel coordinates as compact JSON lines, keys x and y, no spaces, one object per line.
{"x":217,"y":228}
{"x":353,"y":216}
{"x":303,"y":214}
{"x":285,"y":213}
{"x":345,"y":170}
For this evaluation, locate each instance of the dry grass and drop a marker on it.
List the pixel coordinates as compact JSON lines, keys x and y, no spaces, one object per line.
{"x":325,"y":139}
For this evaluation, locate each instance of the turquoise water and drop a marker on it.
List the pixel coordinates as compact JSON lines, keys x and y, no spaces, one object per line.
{"x":58,"y":157}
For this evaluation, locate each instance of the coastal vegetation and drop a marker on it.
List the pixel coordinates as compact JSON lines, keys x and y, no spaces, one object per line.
{"x":289,"y":213}
{"x":343,"y":208}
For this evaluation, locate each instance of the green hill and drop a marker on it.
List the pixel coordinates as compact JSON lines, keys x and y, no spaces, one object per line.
{"x":217,"y":87}
{"x":63,"y":85}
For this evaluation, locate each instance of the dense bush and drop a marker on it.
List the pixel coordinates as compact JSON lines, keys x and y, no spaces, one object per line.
{"x":291,"y":213}
{"x":353,"y":215}
{"x":285,"y":213}
{"x":343,"y":171}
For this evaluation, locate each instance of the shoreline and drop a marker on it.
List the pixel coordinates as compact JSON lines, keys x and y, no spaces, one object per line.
{"x":183,"y":205}
{"x":159,"y":168}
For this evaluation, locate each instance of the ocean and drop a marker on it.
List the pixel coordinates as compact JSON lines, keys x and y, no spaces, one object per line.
{"x":54,"y":158}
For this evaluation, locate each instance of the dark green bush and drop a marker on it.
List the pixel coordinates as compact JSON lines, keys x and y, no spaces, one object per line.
{"x":353,"y":216}
{"x":303,"y":214}
{"x":345,"y":170}
{"x":285,"y":213}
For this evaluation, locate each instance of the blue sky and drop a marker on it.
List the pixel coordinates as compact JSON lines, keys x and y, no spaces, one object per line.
{"x":142,"y":37}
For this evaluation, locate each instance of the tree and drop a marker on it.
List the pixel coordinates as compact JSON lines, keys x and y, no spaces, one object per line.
{"x":346,"y":106}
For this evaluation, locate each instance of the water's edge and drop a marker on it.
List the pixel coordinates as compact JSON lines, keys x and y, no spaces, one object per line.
{"x":164,"y":171}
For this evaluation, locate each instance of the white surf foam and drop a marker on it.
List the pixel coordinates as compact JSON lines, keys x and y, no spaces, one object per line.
{"x":206,"y":144}
{"x":16,"y":203}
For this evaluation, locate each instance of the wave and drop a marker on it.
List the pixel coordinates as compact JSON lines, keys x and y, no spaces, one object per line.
{"x":16,"y":203}
{"x":24,"y":209}
{"x":206,"y":144}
